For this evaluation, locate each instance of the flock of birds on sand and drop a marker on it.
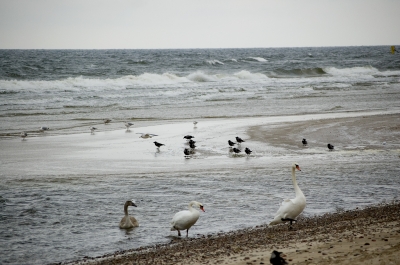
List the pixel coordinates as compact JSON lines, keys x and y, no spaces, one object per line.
{"x":288,"y":211}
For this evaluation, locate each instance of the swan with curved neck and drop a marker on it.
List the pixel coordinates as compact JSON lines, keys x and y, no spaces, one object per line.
{"x":291,"y":208}
{"x":127,"y":221}
{"x":185,"y":219}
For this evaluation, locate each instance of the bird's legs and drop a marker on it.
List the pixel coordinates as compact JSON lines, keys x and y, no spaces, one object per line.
{"x":290,"y":220}
{"x":179,"y":232}
{"x":187,"y":232}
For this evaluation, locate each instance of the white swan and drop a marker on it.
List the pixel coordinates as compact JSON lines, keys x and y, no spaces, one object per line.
{"x":185,"y":219}
{"x":128,"y":221}
{"x":291,"y":208}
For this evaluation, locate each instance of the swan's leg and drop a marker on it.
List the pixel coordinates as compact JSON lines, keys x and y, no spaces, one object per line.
{"x":179,"y":232}
{"x":187,"y":232}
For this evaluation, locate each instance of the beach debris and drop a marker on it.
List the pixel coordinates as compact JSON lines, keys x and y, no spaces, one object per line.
{"x":330,"y":147}
{"x":276,"y":258}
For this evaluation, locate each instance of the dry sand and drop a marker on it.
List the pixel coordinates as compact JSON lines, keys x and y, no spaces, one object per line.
{"x":360,"y":236}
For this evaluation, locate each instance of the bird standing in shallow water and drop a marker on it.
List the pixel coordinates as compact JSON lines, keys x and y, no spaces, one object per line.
{"x":330,"y":147}
{"x":304,"y":142}
{"x":92,"y":129}
{"x":188,"y":137}
{"x":128,"y":125}
{"x":106,"y":121}
{"x":276,"y":258}
{"x":236,"y":151}
{"x":239,"y":140}
{"x":158,"y":144}
{"x":247,"y":151}
{"x":185,"y":219}
{"x":186,"y":152}
{"x":23,"y":135}
{"x":231,"y":143}
{"x":44,"y":128}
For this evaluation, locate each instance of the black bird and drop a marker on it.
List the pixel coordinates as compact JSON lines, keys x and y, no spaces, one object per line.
{"x":330,"y":147}
{"x":192,"y":145}
{"x":304,"y":142}
{"x":188,"y":137}
{"x":186,"y":152}
{"x":276,"y":258}
{"x":158,"y":144}
{"x":248,"y":151}
{"x":237,"y":151}
{"x":239,"y":140}
{"x":231,"y":143}
{"x":191,"y":141}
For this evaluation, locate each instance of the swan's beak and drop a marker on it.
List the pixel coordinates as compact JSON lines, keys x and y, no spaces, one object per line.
{"x":298,"y":168}
{"x":201,"y":208}
{"x":133,"y":204}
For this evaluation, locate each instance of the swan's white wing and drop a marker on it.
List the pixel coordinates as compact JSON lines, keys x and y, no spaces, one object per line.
{"x":184,"y":219}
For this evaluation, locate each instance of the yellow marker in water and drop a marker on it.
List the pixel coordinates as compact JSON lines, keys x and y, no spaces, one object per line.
{"x":393,"y":49}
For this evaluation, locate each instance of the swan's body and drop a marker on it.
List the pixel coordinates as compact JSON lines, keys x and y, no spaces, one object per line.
{"x":185,"y":219}
{"x":291,"y":208}
{"x":128,"y":221}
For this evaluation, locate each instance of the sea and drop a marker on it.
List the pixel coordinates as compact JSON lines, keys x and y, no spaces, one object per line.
{"x":52,"y":216}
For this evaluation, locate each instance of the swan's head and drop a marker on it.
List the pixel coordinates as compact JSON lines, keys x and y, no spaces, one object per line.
{"x":200,"y":206}
{"x":296,"y":166}
{"x":130,"y":203}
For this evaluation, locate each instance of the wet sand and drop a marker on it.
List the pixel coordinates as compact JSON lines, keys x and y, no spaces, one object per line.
{"x":362,"y":236}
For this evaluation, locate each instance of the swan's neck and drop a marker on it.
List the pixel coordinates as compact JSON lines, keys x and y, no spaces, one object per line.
{"x":297,"y":190}
{"x":126,"y":209}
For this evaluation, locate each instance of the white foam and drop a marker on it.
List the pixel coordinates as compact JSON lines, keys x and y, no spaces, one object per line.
{"x":259,"y":59}
{"x":352,"y":71}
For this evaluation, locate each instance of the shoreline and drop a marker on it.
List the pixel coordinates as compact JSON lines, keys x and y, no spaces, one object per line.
{"x":346,"y":237}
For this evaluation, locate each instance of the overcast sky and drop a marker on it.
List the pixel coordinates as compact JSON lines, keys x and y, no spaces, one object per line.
{"x":148,"y":24}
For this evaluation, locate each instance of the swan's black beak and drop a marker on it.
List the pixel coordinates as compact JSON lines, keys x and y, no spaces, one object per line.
{"x":133,"y":204}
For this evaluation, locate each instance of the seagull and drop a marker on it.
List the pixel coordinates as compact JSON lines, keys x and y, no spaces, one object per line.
{"x":330,"y":147}
{"x":239,"y":140}
{"x":44,"y":128}
{"x":276,"y":258}
{"x":237,"y":151}
{"x":248,"y":151}
{"x":304,"y":142}
{"x":188,"y":137}
{"x":128,"y":124}
{"x":92,"y":129}
{"x":106,"y":121}
{"x":23,"y":135}
{"x":231,"y":143}
{"x":147,"y":135}
{"x":195,"y":123}
{"x":158,"y":144}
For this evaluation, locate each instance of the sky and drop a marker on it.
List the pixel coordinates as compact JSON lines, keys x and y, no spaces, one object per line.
{"x":175,"y":24}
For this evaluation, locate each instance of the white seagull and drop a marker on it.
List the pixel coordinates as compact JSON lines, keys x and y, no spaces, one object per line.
{"x":128,"y":124}
{"x":44,"y":128}
{"x":147,"y":135}
{"x":24,"y":135}
{"x":92,"y":129}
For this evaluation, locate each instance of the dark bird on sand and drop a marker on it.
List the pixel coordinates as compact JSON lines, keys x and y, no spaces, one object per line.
{"x":276,"y":258}
{"x":158,"y":144}
{"x":330,"y":147}
{"x":231,"y":143}
{"x":191,"y":141}
{"x":248,"y":151}
{"x":192,"y":145}
{"x":188,"y":137}
{"x":304,"y":142}
{"x":239,"y":140}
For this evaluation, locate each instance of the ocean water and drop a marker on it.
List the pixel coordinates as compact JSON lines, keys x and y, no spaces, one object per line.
{"x":62,"y":191}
